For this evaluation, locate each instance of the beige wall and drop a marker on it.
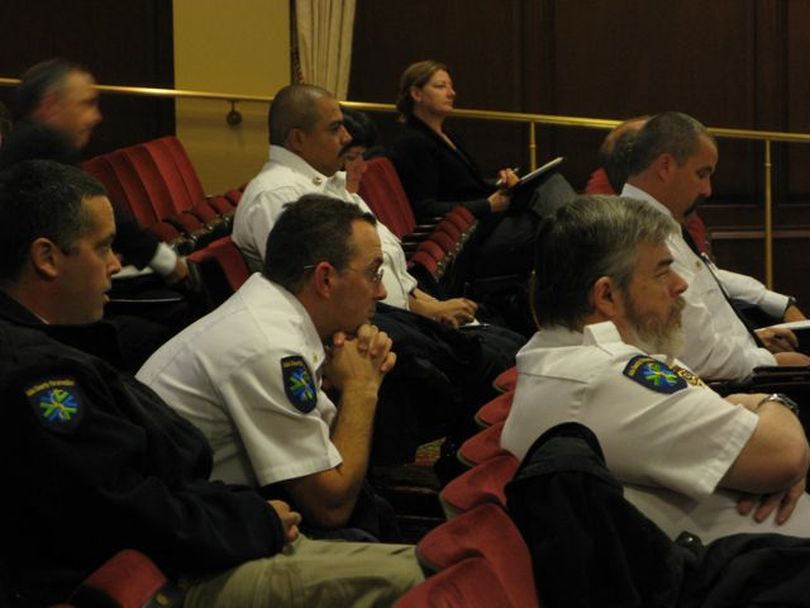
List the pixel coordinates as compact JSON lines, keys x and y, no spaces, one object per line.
{"x":234,"y":46}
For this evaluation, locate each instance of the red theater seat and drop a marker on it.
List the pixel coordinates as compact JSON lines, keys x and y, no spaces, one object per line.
{"x":484,"y":483}
{"x":484,"y":532}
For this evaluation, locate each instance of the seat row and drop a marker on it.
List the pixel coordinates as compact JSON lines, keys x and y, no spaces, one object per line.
{"x":432,"y":249}
{"x":156,"y":183}
{"x":478,"y":557}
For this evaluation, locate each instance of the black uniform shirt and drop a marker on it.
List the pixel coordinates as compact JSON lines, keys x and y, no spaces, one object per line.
{"x":93,"y":462}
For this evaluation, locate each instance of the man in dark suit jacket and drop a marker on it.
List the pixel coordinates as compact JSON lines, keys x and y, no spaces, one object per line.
{"x":55,"y":110}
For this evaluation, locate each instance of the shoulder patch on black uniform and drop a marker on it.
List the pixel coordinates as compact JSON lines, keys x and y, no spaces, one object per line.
{"x":58,"y":402}
{"x":299,"y":384}
{"x":654,"y":374}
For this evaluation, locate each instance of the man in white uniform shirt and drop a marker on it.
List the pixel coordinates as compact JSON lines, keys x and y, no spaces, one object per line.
{"x":307,"y":143}
{"x":249,"y":374}
{"x":609,"y":302}
{"x":671,"y":165}
{"x":307,"y":139}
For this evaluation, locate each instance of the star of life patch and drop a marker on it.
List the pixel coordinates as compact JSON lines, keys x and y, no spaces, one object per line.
{"x":654,"y":374}
{"x":57,"y":401}
{"x":299,"y":384}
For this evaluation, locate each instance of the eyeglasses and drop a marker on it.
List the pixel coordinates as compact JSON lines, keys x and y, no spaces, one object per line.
{"x":375,"y":276}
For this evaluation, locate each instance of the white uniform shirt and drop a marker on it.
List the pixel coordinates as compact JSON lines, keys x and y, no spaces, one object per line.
{"x":224,"y":374}
{"x":285,"y":178}
{"x":665,"y":436}
{"x":718,"y":345}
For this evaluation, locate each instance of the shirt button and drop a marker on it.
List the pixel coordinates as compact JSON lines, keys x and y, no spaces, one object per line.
{"x":317,"y":180}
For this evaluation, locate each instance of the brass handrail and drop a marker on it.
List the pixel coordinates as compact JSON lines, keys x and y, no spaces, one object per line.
{"x":543,"y":119}
{"x":532,"y":120}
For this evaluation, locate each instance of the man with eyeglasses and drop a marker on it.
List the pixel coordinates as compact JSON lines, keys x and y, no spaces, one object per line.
{"x":445,"y":374}
{"x":99,"y":462}
{"x":250,"y":374}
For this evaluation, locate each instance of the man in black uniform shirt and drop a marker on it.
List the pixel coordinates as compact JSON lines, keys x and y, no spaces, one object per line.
{"x":95,"y":462}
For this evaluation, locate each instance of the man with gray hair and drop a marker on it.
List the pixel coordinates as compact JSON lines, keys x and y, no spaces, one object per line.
{"x":671,"y":164}
{"x":608,"y":302}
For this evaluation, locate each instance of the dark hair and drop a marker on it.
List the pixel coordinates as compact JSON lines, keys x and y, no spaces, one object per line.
{"x":294,"y":107}
{"x":313,"y":229}
{"x":37,"y":81}
{"x":590,"y":237}
{"x":616,"y":160}
{"x":672,"y":133}
{"x":360,"y":127}
{"x":415,"y":75}
{"x":41,"y":198}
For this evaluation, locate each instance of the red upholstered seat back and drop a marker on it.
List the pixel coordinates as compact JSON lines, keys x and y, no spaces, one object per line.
{"x":383,"y":192}
{"x":483,"y":446}
{"x":484,"y":483}
{"x":486,"y":532}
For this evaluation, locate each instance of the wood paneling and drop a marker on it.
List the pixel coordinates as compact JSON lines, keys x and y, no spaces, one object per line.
{"x":127,"y":42}
{"x":730,"y":63}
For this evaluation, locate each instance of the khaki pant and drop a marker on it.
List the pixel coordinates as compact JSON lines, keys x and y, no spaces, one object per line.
{"x":312,"y":573}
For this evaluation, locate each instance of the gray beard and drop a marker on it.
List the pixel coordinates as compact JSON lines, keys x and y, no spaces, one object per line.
{"x":654,"y":337}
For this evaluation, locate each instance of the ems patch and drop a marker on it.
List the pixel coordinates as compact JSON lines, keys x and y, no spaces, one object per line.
{"x":654,"y":374}
{"x":58,"y":403}
{"x":299,"y":384}
{"x":690,"y":377}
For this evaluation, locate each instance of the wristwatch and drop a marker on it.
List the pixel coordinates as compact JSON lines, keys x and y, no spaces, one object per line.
{"x":782,"y":399}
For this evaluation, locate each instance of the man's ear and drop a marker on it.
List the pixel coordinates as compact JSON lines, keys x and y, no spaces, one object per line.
{"x":665,"y":166}
{"x":45,"y":257}
{"x":322,"y":280}
{"x":295,"y":140}
{"x":48,"y":107}
{"x":605,"y":298}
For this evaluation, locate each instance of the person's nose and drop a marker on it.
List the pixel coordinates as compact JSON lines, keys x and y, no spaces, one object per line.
{"x":679,"y":284}
{"x":344,"y":136}
{"x":706,"y":192}
{"x":113,"y":264}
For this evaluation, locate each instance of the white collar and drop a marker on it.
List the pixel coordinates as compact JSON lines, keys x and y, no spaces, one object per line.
{"x":281,"y":155}
{"x":631,"y":191}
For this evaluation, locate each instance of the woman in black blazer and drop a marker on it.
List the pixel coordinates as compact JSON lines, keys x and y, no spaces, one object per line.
{"x":435,"y":170}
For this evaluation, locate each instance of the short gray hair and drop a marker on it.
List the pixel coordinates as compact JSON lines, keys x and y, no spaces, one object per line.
{"x":589,"y":238}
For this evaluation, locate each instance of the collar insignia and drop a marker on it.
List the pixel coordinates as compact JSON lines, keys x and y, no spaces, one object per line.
{"x":654,"y":374}
{"x":298,"y":384}
{"x":57,"y":402}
